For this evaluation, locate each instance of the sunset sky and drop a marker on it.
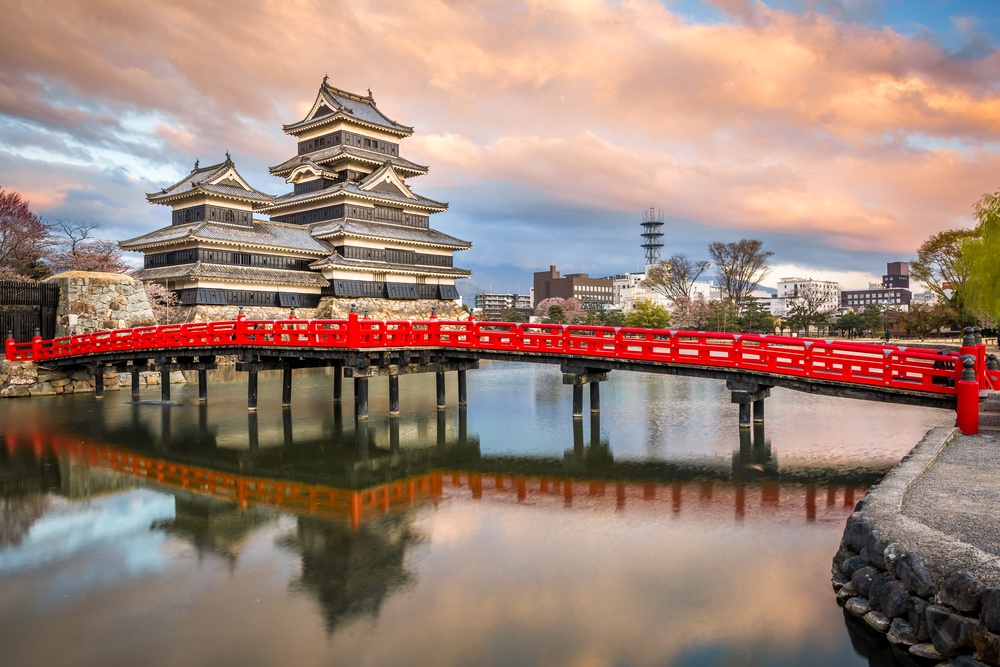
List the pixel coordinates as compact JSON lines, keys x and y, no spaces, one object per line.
{"x":840,"y":132}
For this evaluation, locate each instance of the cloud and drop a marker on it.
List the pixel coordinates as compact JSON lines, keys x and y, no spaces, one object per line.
{"x":808,"y":124}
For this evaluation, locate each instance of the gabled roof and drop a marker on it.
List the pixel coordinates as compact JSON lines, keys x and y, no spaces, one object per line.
{"x":308,"y":167}
{"x":340,"y":262}
{"x":262,"y":234}
{"x":385,"y":180}
{"x":386,"y":231}
{"x":220,"y":179}
{"x":325,"y":156}
{"x":352,"y":190}
{"x":336,"y":104}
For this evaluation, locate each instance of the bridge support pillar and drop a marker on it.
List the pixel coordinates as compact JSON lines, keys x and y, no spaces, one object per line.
{"x":202,"y":385}
{"x":286,"y":386}
{"x":463,"y":389}
{"x":394,"y":396}
{"x":750,"y":397}
{"x":361,"y":398}
{"x":439,"y":381}
{"x":98,"y":382}
{"x":135,"y":382}
{"x":579,"y":376}
{"x":578,"y":404}
{"x":252,"y":391}
{"x":165,"y":383}
{"x":338,"y":383}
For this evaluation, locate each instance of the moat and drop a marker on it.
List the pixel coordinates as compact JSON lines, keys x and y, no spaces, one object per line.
{"x":504,"y":533}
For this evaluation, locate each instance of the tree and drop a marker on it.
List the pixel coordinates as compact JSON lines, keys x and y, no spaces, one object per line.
{"x":675,"y":277}
{"x":162,"y":302}
{"x":740,"y":266}
{"x":718,"y":315}
{"x":648,"y":315}
{"x":921,"y":319}
{"x":850,"y":324}
{"x":982,"y":258}
{"x":77,"y":251}
{"x":555,"y":315}
{"x":942,"y":266}
{"x":756,"y":318}
{"x":24,"y":237}
{"x":809,"y":308}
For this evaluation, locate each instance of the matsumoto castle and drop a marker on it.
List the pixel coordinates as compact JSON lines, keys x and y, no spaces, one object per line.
{"x":350,"y":231}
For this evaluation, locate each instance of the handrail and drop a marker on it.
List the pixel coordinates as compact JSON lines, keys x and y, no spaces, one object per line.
{"x":915,"y":369}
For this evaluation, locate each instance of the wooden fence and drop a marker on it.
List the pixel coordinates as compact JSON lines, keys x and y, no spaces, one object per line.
{"x":25,"y":307}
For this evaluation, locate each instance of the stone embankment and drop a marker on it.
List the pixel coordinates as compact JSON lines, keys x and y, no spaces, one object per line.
{"x":920,"y":556}
{"x":22,"y":379}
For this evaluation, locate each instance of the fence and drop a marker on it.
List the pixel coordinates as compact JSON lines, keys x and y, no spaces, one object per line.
{"x":25,"y":307}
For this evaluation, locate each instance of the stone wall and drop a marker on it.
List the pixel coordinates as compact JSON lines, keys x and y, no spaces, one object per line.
{"x":938,"y":613}
{"x":97,"y":301}
{"x":21,"y":379}
{"x":330,"y":308}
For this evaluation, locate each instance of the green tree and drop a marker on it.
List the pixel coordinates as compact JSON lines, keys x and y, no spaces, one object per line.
{"x":756,"y":318}
{"x":983,"y":258}
{"x":648,"y":315}
{"x":555,"y":315}
{"x":942,"y":266}
{"x":719,"y":315}
{"x":740,"y":266}
{"x":850,"y":324}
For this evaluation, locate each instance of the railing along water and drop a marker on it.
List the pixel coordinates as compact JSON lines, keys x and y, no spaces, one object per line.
{"x":914,"y":369}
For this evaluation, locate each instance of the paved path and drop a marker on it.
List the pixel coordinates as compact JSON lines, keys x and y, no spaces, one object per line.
{"x":943,"y":502}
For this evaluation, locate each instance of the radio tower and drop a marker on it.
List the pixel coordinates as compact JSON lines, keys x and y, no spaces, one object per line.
{"x":651,"y":235}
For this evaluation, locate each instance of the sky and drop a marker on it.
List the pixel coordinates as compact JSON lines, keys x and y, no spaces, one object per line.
{"x":842,"y":133}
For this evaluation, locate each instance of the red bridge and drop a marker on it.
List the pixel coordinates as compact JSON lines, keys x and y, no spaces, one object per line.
{"x":749,"y":363}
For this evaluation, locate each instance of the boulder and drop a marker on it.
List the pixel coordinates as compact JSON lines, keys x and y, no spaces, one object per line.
{"x":962,"y":592}
{"x":951,"y":634}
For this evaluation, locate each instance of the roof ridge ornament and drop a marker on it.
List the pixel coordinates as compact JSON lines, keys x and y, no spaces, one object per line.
{"x":326,"y":77}
{"x":228,"y":158}
{"x":196,"y":163}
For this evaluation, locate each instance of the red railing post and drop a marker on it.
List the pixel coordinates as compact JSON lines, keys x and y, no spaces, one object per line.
{"x":9,"y":345}
{"x":353,"y":330}
{"x":977,"y":333}
{"x":967,"y":419}
{"x":36,"y":346}
{"x":434,"y":328}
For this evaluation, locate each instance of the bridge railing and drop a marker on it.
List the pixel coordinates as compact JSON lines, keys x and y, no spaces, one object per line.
{"x":842,"y":361}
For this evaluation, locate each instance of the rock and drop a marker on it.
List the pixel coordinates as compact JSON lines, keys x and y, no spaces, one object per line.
{"x":851,"y":565}
{"x":951,"y":634}
{"x":14,"y":391}
{"x":891,"y":555}
{"x":856,"y":532}
{"x":862,"y":579}
{"x":962,"y":592}
{"x":842,"y":555}
{"x":926,"y":651}
{"x":987,"y":645}
{"x":900,"y":632}
{"x":41,"y":389}
{"x":916,"y":616}
{"x":847,"y":591}
{"x":875,"y":549}
{"x":875,"y":590}
{"x":838,"y":580}
{"x":912,"y":572}
{"x":893,"y":600}
{"x":990,"y":609}
{"x":877,"y":621}
{"x":966,"y":661}
{"x":858,"y":606}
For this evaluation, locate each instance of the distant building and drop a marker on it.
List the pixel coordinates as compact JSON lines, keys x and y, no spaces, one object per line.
{"x":824,"y":295}
{"x":493,"y":306}
{"x":894,"y":290}
{"x":589,"y":291}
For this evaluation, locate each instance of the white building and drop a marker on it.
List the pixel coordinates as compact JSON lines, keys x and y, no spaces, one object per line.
{"x":824,"y":294}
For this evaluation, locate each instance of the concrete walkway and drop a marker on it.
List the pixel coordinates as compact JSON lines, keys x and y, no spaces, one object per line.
{"x":943,"y":501}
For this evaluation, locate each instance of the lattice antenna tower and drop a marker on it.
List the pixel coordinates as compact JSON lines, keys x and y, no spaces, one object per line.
{"x":651,"y":235}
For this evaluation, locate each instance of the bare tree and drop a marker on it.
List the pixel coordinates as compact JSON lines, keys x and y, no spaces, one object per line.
{"x":809,"y":307}
{"x":24,"y":237}
{"x":77,"y":251}
{"x":674,"y":277}
{"x":740,"y":266}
